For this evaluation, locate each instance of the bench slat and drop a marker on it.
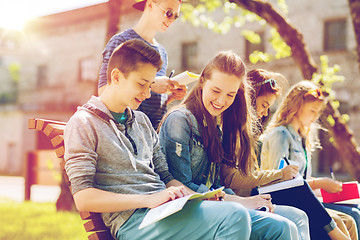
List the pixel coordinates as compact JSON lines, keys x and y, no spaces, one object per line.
{"x":89,"y":215}
{"x":32,"y":123}
{"x":95,"y":224}
{"x":51,"y":130}
{"x":60,"y":151}
{"x":57,"y":140}
{"x":105,"y":235}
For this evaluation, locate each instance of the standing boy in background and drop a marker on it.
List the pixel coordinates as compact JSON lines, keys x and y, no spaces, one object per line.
{"x":157,"y":17}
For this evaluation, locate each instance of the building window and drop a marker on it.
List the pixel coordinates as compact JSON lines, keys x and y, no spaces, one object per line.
{"x":335,"y":35}
{"x":42,"y":75}
{"x":189,"y":56}
{"x":252,"y":47}
{"x":87,"y":70}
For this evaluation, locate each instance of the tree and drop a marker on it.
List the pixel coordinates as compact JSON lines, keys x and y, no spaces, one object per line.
{"x":343,"y":137}
{"x":355,"y":15}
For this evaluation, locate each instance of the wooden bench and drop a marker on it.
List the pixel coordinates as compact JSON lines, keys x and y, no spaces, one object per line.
{"x":54,"y":130}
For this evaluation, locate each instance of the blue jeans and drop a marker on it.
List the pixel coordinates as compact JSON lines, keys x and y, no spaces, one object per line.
{"x":298,"y":217}
{"x":265,"y":225}
{"x":210,"y":220}
{"x":350,"y":209}
{"x":197,"y":220}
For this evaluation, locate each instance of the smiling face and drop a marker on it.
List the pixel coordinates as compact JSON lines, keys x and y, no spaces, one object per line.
{"x":218,"y":92}
{"x":309,"y":112}
{"x":159,"y":9}
{"x":263,"y":103}
{"x":132,"y":90}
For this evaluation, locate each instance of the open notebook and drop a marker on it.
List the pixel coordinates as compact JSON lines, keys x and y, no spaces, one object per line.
{"x":168,"y":208}
{"x":186,"y":77}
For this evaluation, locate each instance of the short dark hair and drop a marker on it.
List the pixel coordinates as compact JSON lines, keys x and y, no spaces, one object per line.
{"x":128,"y":55}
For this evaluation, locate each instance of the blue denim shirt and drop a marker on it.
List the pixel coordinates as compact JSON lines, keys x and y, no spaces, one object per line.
{"x":183,"y":146}
{"x":285,"y":141}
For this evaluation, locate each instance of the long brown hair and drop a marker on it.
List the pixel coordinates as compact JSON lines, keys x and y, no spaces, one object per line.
{"x":235,"y":119}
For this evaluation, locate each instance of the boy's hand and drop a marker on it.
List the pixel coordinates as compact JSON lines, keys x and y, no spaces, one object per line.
{"x":163,"y":84}
{"x":166,"y":195}
{"x":289,"y":172}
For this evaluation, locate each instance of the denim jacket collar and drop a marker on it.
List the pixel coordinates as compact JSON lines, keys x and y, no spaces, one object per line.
{"x":293,"y":133}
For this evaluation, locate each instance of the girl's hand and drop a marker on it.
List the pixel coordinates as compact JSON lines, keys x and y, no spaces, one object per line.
{"x":289,"y":172}
{"x":329,"y":185}
{"x":258,"y":201}
{"x":179,"y":93}
{"x":166,"y":195}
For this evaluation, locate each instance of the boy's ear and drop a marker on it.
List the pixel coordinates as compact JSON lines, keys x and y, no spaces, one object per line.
{"x":116,"y":76}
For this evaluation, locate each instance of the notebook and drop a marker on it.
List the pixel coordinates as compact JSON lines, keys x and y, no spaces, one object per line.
{"x":350,"y":190}
{"x":297,"y":181}
{"x":168,"y":208}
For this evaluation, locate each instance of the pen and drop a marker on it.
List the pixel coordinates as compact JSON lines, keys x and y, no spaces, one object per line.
{"x":286,"y":160}
{"x":332,"y":174}
{"x":172,"y":73}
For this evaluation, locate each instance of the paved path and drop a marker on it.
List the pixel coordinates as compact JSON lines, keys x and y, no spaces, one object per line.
{"x":13,"y":188}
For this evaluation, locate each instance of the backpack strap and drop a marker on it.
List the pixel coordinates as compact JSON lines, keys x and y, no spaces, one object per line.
{"x":97,"y":112}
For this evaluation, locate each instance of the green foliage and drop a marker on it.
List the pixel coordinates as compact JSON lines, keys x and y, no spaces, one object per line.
{"x":251,"y":36}
{"x":283,"y":6}
{"x":331,"y":120}
{"x":14,"y":69}
{"x":37,"y":221}
{"x":281,"y":48}
{"x":326,"y":78}
{"x":201,"y":13}
{"x":345,"y":117}
{"x":258,"y":56}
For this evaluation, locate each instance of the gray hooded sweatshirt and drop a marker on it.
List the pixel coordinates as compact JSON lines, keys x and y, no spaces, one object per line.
{"x":113,"y":157}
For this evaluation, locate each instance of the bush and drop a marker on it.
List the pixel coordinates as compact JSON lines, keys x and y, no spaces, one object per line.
{"x":30,"y":221}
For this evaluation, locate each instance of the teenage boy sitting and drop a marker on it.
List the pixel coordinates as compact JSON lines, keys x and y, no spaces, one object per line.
{"x":116,"y":167}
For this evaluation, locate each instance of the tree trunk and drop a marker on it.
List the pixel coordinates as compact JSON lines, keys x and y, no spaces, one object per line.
{"x":343,"y":138}
{"x":355,"y":15}
{"x":113,"y":21}
{"x":65,"y":202}
{"x":112,"y":27}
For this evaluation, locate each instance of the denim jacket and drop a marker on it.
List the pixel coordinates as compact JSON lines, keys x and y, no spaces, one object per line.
{"x":285,"y":141}
{"x":183,"y":146}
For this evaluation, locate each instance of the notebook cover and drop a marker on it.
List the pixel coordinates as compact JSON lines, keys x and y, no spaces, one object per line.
{"x":350,"y":191}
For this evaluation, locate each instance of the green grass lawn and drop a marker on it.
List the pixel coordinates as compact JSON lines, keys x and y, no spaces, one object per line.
{"x":34,"y":221}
